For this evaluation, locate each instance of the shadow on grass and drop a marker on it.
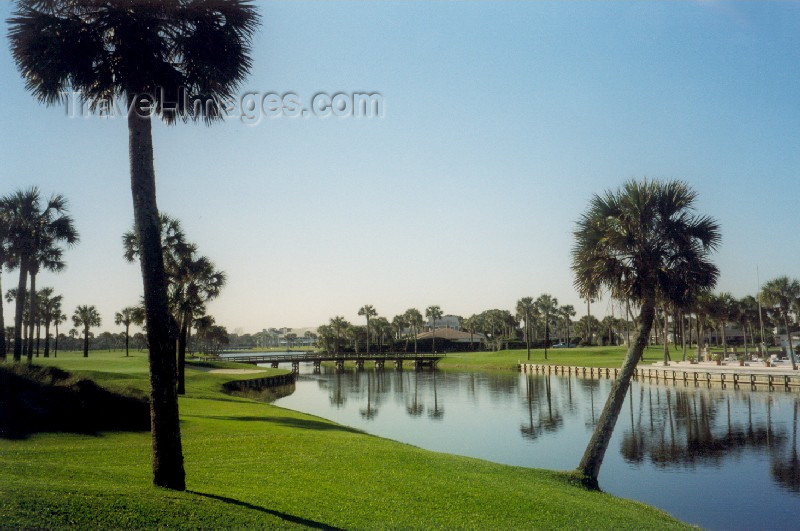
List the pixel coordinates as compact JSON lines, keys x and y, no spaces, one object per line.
{"x":284,"y":516}
{"x":306,"y":424}
{"x":46,"y":399}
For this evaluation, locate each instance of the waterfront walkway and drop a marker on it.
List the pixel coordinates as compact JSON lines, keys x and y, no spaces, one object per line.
{"x":752,"y":374}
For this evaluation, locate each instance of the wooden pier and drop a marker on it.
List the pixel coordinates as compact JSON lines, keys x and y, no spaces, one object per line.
{"x":752,"y":377}
{"x":417,"y":361}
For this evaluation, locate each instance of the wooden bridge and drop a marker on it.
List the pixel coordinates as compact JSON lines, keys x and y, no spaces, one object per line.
{"x":418,"y":361}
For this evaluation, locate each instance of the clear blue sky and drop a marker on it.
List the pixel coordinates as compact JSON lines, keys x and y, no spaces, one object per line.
{"x":501,"y":120}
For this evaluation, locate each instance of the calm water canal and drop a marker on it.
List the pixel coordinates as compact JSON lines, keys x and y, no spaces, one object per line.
{"x":722,"y":459}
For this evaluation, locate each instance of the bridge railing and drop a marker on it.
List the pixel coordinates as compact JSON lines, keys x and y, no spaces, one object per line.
{"x":267,"y":357}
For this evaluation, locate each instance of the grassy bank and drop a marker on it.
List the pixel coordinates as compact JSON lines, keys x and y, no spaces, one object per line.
{"x":581,"y":356}
{"x":254,"y":464}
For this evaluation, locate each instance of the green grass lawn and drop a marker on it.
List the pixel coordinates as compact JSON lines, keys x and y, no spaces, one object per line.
{"x":580,"y":356}
{"x":254,"y":464}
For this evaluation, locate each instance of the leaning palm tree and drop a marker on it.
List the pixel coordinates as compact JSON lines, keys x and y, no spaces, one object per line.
{"x":641,"y":242}
{"x":433,"y":313}
{"x":86,"y":317}
{"x":177,"y":59}
{"x":781,"y":294}
{"x":367,"y":311}
{"x":126,"y":317}
{"x":525,"y":309}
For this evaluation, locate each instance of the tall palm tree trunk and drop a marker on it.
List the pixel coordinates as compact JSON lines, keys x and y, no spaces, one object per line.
{"x":546,"y":334}
{"x":31,"y":316}
{"x":2,"y":321}
{"x":20,"y":308}
{"x":127,"y":339}
{"x":589,"y":466}
{"x":164,"y":421}
{"x":527,"y":335}
{"x":367,"y":336}
{"x":86,"y":342}
{"x":791,"y":347}
{"x":182,"y":340}
{"x":699,"y":331}
{"x":47,"y":337}
{"x":55,"y":346}
{"x":666,"y":336}
{"x":683,"y":334}
{"x":38,"y":336}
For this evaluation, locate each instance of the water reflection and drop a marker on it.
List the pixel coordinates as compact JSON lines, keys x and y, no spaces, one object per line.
{"x":684,"y":426}
{"x":676,"y":439}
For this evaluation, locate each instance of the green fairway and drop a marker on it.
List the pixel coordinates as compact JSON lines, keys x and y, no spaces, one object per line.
{"x":581,"y":356}
{"x":255,"y":464}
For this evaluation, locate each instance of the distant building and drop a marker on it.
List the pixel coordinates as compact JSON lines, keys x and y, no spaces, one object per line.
{"x":301,"y":337}
{"x":451,"y":334}
{"x":448,"y":321}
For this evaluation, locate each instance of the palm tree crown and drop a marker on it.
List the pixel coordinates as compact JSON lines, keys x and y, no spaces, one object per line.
{"x":86,"y":317}
{"x":644,"y":239}
{"x":176,"y":52}
{"x":781,"y":295}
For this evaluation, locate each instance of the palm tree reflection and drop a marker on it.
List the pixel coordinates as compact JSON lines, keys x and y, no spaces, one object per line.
{"x":415,"y":408}
{"x":786,"y":469}
{"x":548,"y":418}
{"x":437,"y":412}
{"x":687,"y":427}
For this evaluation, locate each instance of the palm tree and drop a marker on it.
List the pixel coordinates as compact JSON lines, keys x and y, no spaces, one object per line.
{"x":641,"y":242}
{"x":748,"y":317}
{"x":415,"y":322}
{"x":58,"y":318}
{"x":338,"y":324}
{"x":547,"y":306}
{"x":566,"y":312}
{"x":433,"y":313}
{"x":728,"y":312}
{"x":87,"y":317}
{"x":153,"y":55}
{"x":51,"y":306}
{"x":4,"y":261}
{"x":589,"y":300}
{"x":382,"y":329}
{"x":367,"y":311}
{"x":781,"y":294}
{"x":126,"y":317}
{"x":400,"y":323}
{"x":525,"y":309}
{"x":195,"y":283}
{"x":34,"y":233}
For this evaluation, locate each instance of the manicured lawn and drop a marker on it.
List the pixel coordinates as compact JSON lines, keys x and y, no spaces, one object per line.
{"x":254,"y":464}
{"x":580,"y":356}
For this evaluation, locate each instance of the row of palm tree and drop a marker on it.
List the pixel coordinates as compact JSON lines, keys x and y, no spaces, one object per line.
{"x":48,"y":313}
{"x":408,"y":324}
{"x":33,"y":234}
